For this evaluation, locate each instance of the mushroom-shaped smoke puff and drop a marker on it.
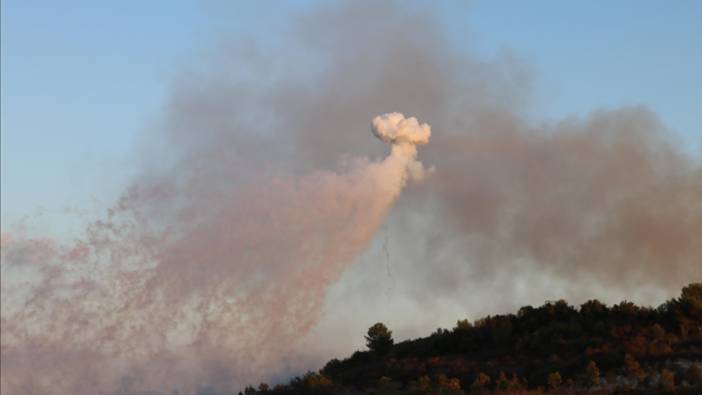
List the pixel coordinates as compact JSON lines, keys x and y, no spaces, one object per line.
{"x":394,"y":128}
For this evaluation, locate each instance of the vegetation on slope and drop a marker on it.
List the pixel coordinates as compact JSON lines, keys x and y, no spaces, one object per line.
{"x":555,"y":348}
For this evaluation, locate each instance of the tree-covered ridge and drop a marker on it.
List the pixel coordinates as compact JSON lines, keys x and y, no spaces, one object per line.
{"x":554,"y":348}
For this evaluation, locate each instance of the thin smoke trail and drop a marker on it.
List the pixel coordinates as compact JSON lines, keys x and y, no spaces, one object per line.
{"x":386,"y":255}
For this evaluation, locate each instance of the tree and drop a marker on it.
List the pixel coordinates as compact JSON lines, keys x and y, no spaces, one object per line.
{"x":667,"y":380}
{"x":693,"y":375}
{"x":691,"y":298}
{"x":450,"y":386}
{"x":554,"y":380}
{"x":633,"y":368}
{"x":592,"y":374}
{"x":502,"y":382}
{"x":462,"y":325}
{"x":386,"y":386}
{"x":625,"y":310}
{"x":423,"y":384}
{"x":508,"y":384}
{"x":593,"y":308}
{"x":314,"y":383}
{"x":482,"y":381}
{"x":379,"y":338}
{"x":692,"y":294}
{"x":688,"y":310}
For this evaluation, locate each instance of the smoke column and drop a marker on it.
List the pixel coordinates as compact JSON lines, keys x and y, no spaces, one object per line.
{"x":138,"y":306}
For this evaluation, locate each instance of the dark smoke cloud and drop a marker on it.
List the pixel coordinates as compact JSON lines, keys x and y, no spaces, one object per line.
{"x":255,"y":197}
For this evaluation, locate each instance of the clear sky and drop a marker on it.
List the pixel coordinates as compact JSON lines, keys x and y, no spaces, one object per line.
{"x":82,"y":80}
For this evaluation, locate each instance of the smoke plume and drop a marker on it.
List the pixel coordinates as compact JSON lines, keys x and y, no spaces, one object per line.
{"x":251,"y":202}
{"x":206,"y":299}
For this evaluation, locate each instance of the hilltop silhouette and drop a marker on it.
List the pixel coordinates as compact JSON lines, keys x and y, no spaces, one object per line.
{"x":555,"y":348}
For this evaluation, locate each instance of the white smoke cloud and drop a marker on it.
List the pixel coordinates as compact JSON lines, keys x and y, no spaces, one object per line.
{"x":404,"y":134}
{"x":394,"y":128}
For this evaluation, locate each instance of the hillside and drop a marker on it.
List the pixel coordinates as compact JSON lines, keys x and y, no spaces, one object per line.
{"x":554,"y":348}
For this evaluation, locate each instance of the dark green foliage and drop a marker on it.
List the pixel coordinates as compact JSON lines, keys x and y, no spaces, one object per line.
{"x":667,"y":380}
{"x":692,"y":295}
{"x":554,"y":347}
{"x":592,"y":374}
{"x":693,"y":375}
{"x":379,"y":338}
{"x":633,"y":369}
{"x":481,"y":382}
{"x":554,"y":380}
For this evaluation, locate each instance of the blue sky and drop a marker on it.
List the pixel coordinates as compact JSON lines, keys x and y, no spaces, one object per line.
{"x":82,"y":80}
